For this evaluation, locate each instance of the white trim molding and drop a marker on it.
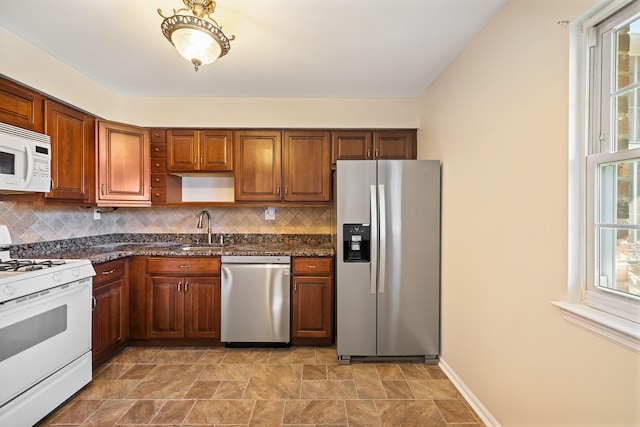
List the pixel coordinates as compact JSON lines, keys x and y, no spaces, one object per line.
{"x":612,"y":328}
{"x":471,"y":398}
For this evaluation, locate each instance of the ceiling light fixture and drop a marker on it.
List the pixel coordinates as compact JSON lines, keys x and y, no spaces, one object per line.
{"x":195,"y":34}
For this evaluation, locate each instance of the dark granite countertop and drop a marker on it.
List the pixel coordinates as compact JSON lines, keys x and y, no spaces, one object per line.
{"x":111,"y":247}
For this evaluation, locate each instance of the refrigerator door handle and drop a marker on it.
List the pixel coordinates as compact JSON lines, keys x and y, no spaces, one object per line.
{"x":383,"y":236}
{"x":374,"y":239}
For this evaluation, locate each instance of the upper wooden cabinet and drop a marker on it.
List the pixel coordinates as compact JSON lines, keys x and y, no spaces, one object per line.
{"x":204,"y":150}
{"x":123,"y":165}
{"x":270,"y":169}
{"x":72,"y":157}
{"x":306,"y":166}
{"x":377,"y":145}
{"x":257,"y":171}
{"x":20,"y":106}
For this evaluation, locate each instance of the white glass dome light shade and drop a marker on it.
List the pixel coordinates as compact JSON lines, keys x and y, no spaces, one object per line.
{"x":196,"y":45}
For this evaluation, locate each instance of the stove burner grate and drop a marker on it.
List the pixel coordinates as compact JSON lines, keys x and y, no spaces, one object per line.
{"x":28,"y":264}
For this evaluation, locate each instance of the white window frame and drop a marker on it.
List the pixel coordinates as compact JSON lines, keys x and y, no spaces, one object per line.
{"x":610,"y":315}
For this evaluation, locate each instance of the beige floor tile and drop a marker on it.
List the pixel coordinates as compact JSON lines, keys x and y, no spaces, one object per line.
{"x":315,"y":412}
{"x":362,"y":413}
{"x":220,"y":412}
{"x":329,"y":389}
{"x":415,"y":372}
{"x":137,"y":371}
{"x":370,"y":388}
{"x":76,"y":412}
{"x":293,"y":387}
{"x":274,"y":382}
{"x":314,"y":372}
{"x":136,"y":355}
{"x":455,"y":411}
{"x":339,"y":372}
{"x":141,"y":412}
{"x":202,"y":390}
{"x":304,"y":355}
{"x":233,"y":372}
{"x":433,"y":389}
{"x":389,"y":372}
{"x":409,"y":413}
{"x":230,"y":390}
{"x":267,"y":413}
{"x":173,"y":412}
{"x":397,"y":389}
{"x":109,"y":389}
{"x":110,"y":412}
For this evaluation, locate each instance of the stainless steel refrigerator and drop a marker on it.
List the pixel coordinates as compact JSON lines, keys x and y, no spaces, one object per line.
{"x":387,"y":238}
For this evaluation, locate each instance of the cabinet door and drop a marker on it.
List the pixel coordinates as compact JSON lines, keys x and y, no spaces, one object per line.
{"x":202,"y":307}
{"x":72,"y":139}
{"x":351,"y":145}
{"x":20,"y":106}
{"x":216,"y":150}
{"x":390,"y":145}
{"x":312,"y":307}
{"x":108,"y":319}
{"x":257,"y":165}
{"x":124,"y":173}
{"x":182,"y":150}
{"x":307,"y":166}
{"x":165,"y":307}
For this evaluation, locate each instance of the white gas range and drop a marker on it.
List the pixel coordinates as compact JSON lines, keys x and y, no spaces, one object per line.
{"x":45,"y":334}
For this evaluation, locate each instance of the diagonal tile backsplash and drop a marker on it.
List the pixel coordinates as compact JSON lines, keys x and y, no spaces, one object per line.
{"x":30,"y":223}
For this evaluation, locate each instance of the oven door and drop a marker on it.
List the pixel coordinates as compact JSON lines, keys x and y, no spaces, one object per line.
{"x":41,"y":333}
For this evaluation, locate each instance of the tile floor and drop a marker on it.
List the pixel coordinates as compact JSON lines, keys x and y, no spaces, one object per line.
{"x":300,"y":386}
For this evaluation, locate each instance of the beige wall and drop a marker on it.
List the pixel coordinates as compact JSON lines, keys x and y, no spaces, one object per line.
{"x":498,"y":120}
{"x":30,"y":66}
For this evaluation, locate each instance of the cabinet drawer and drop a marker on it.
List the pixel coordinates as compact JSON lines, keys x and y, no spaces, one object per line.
{"x":108,"y":271}
{"x":185,"y":265}
{"x":313,"y":266}
{"x":158,"y":149}
{"x":159,"y":135}
{"x":158,"y":180}
{"x":158,"y":165}
{"x":158,"y":195}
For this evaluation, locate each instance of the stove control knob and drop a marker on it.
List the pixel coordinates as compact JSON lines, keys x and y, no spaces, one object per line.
{"x":75,"y":272}
{"x":8,"y":290}
{"x":57,"y":277}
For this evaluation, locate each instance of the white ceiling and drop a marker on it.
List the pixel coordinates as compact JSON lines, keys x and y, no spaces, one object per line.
{"x":283,"y":48}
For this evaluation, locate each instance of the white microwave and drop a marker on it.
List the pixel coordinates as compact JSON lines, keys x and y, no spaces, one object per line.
{"x":25,"y":160}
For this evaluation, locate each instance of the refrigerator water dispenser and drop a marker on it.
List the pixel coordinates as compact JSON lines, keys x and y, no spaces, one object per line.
{"x":356,"y":242}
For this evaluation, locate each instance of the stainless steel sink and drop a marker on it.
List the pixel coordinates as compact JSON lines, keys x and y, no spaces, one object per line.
{"x":199,"y":247}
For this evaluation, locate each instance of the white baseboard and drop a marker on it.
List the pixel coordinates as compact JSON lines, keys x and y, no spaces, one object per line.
{"x":477,"y":406}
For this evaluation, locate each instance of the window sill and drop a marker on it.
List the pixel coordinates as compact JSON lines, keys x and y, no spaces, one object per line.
{"x":612,"y":328}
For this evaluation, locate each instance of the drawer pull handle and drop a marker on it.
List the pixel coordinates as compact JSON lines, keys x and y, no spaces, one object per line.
{"x":108,"y":272}
{"x":157,"y":194}
{"x":312,"y":266}
{"x":185,"y":266}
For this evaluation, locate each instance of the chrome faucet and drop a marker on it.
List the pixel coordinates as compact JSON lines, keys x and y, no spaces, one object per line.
{"x":208,"y":224}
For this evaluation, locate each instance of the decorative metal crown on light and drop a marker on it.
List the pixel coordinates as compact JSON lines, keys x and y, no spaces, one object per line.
{"x":195,"y":34}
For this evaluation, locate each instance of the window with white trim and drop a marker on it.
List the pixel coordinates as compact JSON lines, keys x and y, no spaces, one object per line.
{"x":613,"y":165}
{"x":604,"y":173}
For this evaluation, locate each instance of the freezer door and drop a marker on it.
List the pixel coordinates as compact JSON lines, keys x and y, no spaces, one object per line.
{"x":409,"y":286}
{"x":355,"y":299}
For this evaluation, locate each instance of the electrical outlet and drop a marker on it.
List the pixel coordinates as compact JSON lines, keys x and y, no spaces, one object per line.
{"x":96,"y":214}
{"x":270,"y":214}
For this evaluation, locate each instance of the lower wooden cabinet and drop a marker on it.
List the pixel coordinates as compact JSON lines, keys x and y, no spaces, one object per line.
{"x":312,"y":301}
{"x":110,"y":323}
{"x":183,"y":297}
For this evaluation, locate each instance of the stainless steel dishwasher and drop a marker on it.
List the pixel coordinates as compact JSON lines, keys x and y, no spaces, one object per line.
{"x":256,"y":299}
